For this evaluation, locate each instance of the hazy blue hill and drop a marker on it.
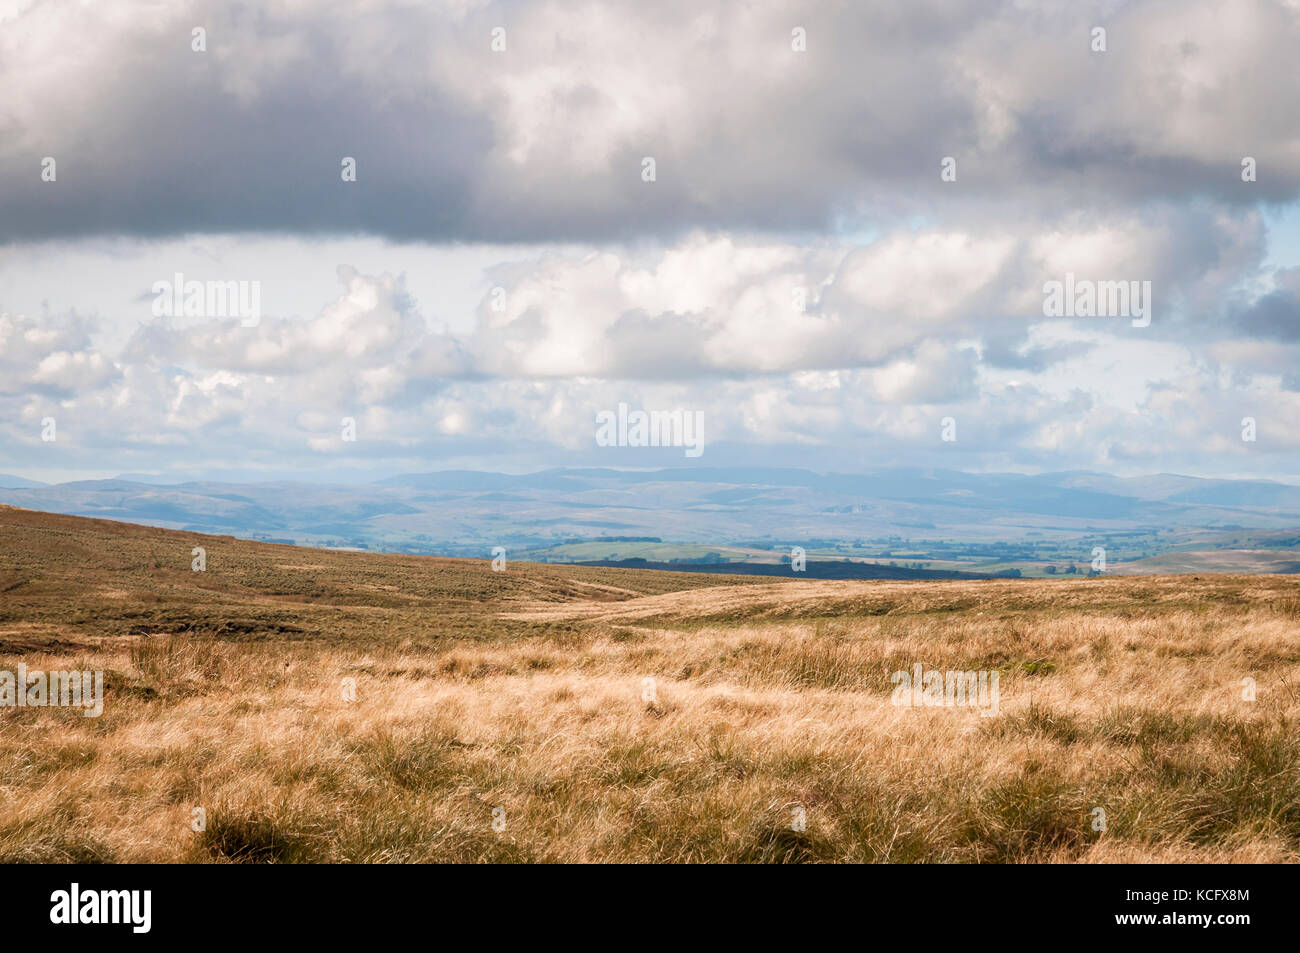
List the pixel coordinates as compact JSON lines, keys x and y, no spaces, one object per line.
{"x":473,"y":480}
{"x":459,"y":510}
{"x":1242,"y":494}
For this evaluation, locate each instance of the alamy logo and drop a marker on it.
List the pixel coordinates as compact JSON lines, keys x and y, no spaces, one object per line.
{"x":1098,"y":299}
{"x":208,"y":299}
{"x":133,"y":907}
{"x":936,"y":689}
{"x":25,"y":689}
{"x":655,"y":428}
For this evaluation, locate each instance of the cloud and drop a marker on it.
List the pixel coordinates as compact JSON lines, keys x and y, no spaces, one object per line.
{"x":1276,"y":314}
{"x":544,"y":141}
{"x":797,"y":269}
{"x":861,"y":375}
{"x":48,"y":357}
{"x":369,"y":343}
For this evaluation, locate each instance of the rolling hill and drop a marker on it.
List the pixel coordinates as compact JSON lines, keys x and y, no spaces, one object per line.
{"x":467,"y":513}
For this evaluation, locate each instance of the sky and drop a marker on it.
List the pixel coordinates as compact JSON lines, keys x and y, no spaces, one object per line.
{"x":837,"y":255}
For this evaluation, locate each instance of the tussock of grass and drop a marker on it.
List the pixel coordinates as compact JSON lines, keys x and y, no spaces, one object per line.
{"x":50,"y":842}
{"x":239,"y":836}
{"x":1025,"y":817}
{"x":1038,"y":720}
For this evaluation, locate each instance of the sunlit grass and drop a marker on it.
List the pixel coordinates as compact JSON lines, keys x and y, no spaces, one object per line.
{"x":562,"y":714}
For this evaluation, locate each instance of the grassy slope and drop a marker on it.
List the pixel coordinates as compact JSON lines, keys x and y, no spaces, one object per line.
{"x":627,"y":715}
{"x":1216,"y":561}
{"x":88,"y":578}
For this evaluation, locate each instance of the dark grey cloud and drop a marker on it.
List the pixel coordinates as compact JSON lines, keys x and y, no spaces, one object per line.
{"x":544,"y":141}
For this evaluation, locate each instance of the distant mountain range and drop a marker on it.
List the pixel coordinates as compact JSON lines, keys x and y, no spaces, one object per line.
{"x":458,"y":512}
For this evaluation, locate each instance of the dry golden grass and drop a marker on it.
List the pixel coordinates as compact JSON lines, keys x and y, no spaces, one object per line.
{"x":525,"y":691}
